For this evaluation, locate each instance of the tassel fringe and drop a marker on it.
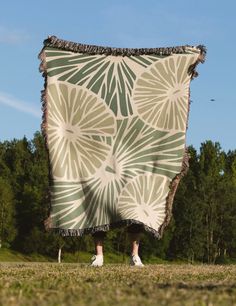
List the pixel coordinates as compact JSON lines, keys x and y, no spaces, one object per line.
{"x":53,"y":41}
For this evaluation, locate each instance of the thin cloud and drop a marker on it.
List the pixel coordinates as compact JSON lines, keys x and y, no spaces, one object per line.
{"x":19,"y":105}
{"x":12,"y":36}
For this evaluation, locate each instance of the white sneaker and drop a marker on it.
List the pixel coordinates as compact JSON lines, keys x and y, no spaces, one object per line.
{"x":136,"y":261}
{"x":97,"y":261}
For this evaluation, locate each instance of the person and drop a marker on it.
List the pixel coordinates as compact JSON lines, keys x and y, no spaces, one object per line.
{"x":134,"y":232}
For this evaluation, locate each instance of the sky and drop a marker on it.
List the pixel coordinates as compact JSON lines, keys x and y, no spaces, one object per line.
{"x":131,"y":23}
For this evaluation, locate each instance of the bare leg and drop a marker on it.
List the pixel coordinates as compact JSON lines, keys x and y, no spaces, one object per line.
{"x":134,"y":231}
{"x":134,"y":240}
{"x":97,"y":260}
{"x":98,"y":246}
{"x":98,"y":242}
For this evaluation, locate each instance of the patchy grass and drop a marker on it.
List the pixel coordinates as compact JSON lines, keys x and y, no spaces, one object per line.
{"x":73,"y":284}
{"x":8,"y":255}
{"x":14,"y":256}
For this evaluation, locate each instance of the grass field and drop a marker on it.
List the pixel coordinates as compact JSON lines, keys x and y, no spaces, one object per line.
{"x":116,"y":284}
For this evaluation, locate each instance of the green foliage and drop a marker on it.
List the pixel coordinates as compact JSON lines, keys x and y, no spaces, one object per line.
{"x":202,"y":227}
{"x":9,"y":255}
{"x":7,"y":221}
{"x":204,"y":209}
{"x":188,"y":214}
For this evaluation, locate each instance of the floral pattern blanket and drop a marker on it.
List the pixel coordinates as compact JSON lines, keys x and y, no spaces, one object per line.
{"x":114,"y":122}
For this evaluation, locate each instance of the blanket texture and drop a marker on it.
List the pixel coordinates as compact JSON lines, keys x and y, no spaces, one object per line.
{"x":114,"y":122}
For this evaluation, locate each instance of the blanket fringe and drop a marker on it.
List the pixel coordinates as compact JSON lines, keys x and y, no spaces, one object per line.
{"x":43,"y":69}
{"x":173,"y":187}
{"x":53,"y":41}
{"x":103,"y":228}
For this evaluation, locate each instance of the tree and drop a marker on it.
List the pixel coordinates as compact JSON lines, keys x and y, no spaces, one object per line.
{"x":227,"y":194}
{"x":203,"y":225}
{"x":187,"y":241}
{"x":7,"y":222}
{"x":211,"y":165}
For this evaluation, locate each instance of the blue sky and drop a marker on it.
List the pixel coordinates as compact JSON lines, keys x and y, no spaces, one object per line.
{"x":134,"y":23}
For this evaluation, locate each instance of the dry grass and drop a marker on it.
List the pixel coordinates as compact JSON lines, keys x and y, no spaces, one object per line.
{"x":77,"y":284}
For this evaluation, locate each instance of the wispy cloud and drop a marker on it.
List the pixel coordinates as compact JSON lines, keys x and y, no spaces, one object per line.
{"x":19,"y":105}
{"x":12,"y":36}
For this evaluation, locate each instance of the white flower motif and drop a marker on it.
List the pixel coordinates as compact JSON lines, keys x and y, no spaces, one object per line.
{"x":161,"y":93}
{"x":79,"y":130}
{"x":144,"y":199}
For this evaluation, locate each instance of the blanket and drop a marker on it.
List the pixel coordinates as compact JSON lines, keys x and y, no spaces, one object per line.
{"x":114,"y":123}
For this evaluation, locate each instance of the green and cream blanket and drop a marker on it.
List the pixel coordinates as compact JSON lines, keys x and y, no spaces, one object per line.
{"x":114,"y":122}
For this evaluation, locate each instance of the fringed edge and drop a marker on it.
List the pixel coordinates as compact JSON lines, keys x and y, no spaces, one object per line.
{"x":103,"y":228}
{"x":173,"y":187}
{"x":53,"y":41}
{"x":201,"y":59}
{"x":43,"y":69}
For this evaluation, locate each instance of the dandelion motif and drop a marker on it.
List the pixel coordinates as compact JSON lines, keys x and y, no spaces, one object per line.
{"x":79,"y":130}
{"x":144,"y":199}
{"x":161,"y":93}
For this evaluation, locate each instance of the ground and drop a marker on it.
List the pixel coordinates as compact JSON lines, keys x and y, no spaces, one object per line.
{"x":68,"y":284}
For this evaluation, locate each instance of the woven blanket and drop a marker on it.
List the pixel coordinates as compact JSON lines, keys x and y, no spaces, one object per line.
{"x":114,"y":122}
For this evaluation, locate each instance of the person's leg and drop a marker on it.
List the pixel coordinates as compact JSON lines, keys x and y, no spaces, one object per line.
{"x":134,"y":232}
{"x":97,"y":260}
{"x":98,"y":242}
{"x":134,"y":241}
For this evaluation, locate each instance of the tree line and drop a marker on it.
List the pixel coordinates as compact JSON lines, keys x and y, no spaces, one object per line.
{"x":202,"y":227}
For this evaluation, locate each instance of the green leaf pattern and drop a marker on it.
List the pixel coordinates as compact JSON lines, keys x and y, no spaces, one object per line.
{"x":110,"y":77}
